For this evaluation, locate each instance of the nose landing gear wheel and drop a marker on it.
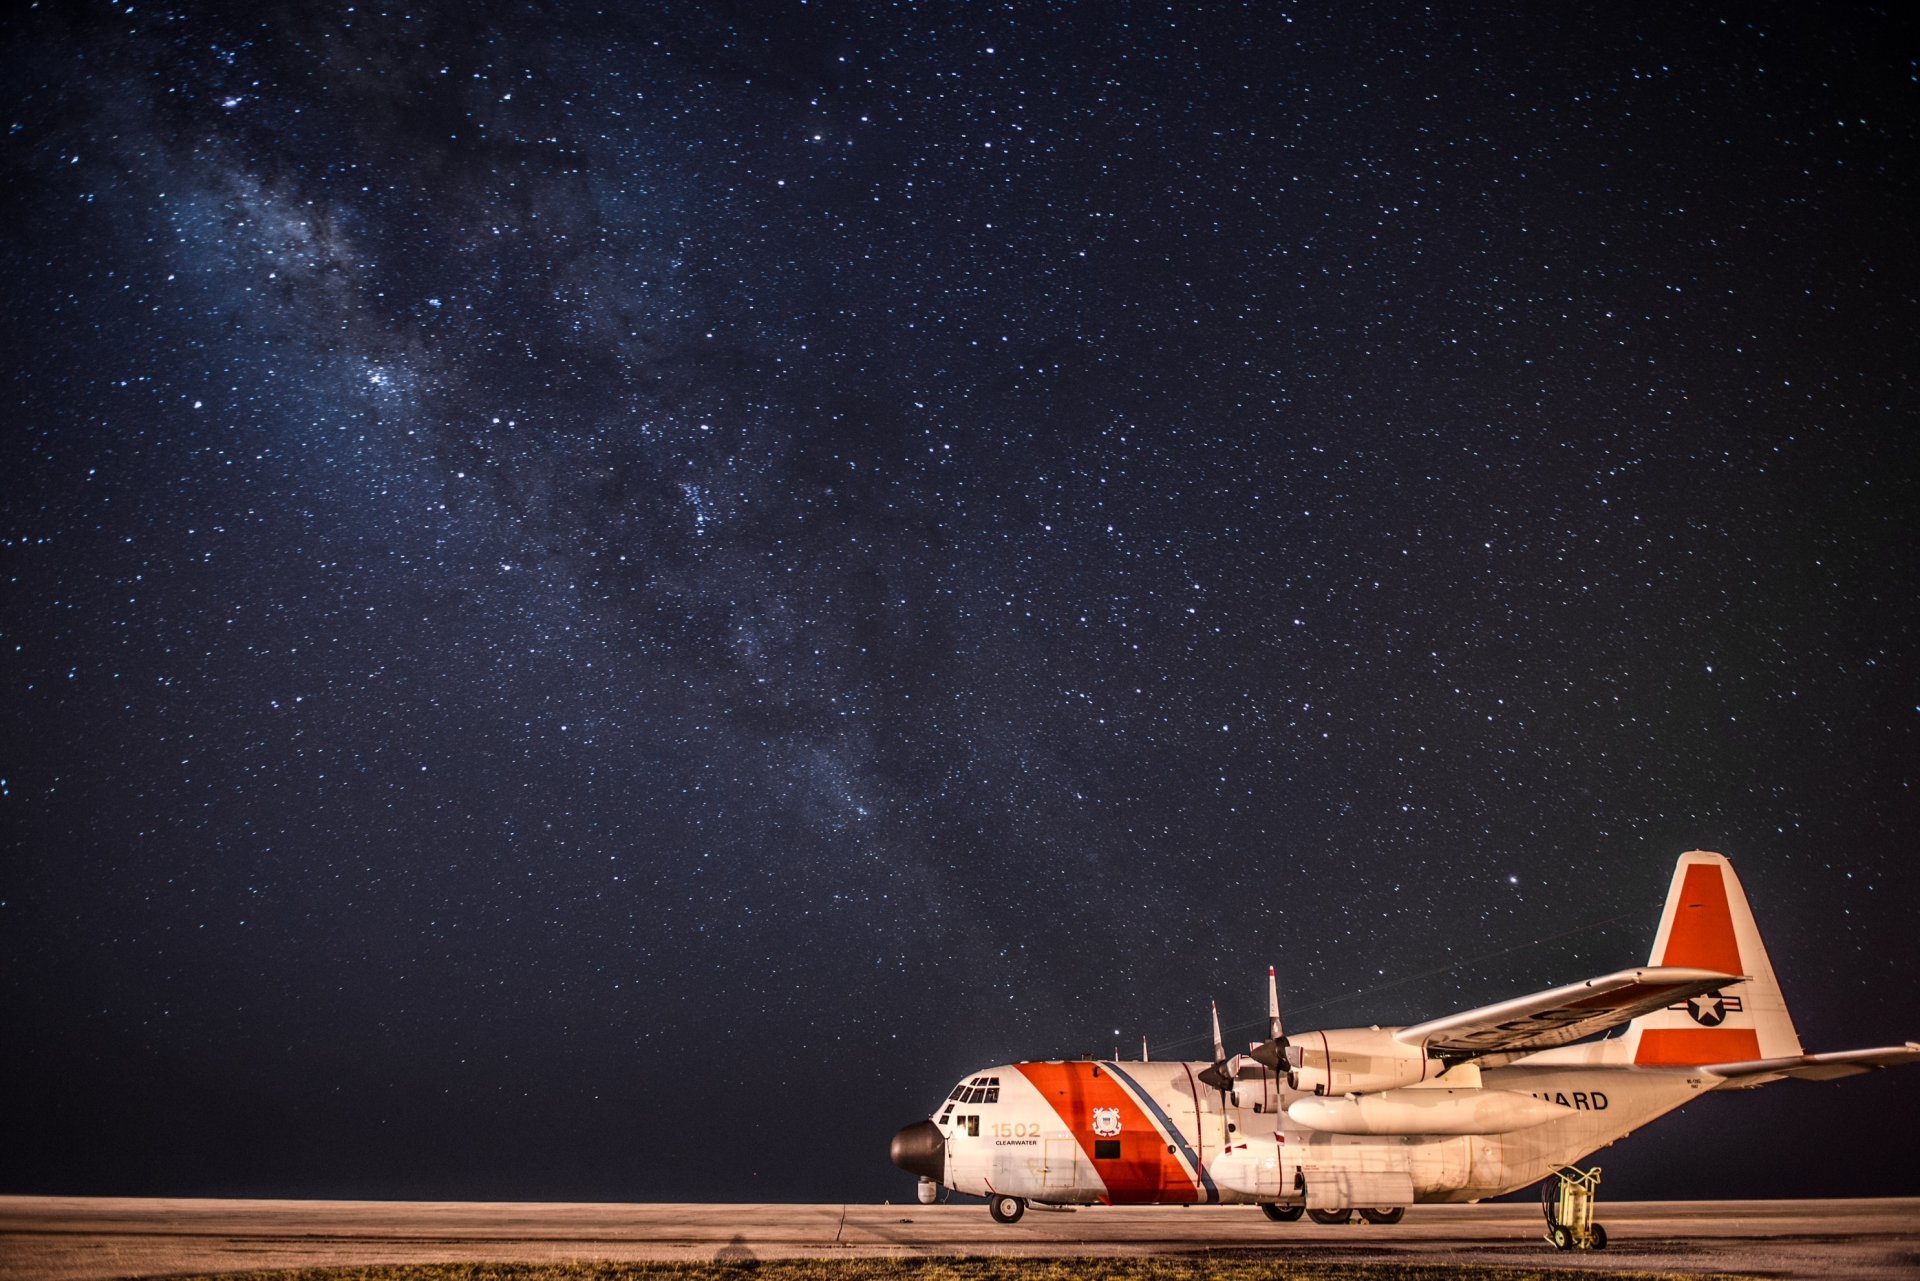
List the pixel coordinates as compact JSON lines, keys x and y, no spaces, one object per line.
{"x":1281,"y":1213}
{"x":1330,"y":1217}
{"x":1006,"y":1209}
{"x":1392,"y":1215}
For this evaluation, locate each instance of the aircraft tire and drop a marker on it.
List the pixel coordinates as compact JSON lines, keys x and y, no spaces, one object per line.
{"x":1599,"y":1237}
{"x":1562,"y":1237}
{"x":1331,"y":1218}
{"x":1006,"y":1209}
{"x":1282,"y":1213}
{"x":1392,"y":1214}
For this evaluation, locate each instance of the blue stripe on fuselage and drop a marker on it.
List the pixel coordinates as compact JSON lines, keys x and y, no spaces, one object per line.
{"x":1166,"y":1123}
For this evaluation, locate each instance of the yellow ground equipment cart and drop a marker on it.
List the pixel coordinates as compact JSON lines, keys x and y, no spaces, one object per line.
{"x":1567,"y":1199}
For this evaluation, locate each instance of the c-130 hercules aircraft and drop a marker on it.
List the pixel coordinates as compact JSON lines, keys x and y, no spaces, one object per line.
{"x":1376,"y":1119}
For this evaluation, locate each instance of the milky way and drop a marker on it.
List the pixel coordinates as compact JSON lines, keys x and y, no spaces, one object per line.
{"x":600,"y":604}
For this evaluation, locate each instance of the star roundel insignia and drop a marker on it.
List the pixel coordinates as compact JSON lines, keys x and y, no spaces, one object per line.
{"x":1708,"y":1010}
{"x":1106,"y":1122}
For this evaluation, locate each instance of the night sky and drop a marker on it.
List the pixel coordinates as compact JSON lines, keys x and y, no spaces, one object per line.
{"x":600,"y":603}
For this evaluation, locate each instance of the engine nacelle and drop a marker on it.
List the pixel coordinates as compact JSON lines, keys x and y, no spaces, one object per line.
{"x":1357,"y":1060}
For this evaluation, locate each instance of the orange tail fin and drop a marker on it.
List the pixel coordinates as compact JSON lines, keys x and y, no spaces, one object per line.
{"x":1708,"y":924}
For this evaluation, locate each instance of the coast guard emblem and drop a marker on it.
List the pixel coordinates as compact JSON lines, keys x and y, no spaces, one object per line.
{"x":1106,"y":1122}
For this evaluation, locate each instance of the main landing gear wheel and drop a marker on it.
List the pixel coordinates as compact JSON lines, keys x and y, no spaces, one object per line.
{"x":1282,"y":1213}
{"x":1392,"y":1215}
{"x":1006,"y":1209}
{"x":1331,"y":1217}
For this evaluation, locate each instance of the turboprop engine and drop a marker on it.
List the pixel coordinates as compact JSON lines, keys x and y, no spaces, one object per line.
{"x":1425,"y":1111}
{"x":1357,"y":1060}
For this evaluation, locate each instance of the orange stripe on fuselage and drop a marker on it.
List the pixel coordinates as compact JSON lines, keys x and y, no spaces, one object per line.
{"x":1702,"y":934}
{"x":1145,"y":1170}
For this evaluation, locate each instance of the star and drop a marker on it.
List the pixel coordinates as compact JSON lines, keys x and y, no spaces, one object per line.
{"x":1709,"y":1009}
{"x":580,"y":576}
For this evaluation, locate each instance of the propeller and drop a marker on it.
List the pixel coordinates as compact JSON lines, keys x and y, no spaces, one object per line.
{"x":1273,"y":1052}
{"x":1220,"y":1075}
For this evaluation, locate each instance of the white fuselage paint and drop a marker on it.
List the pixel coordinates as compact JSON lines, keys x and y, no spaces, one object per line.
{"x":1043,"y":1148}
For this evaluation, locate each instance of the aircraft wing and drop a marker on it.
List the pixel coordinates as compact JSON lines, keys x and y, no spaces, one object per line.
{"x":1813,"y":1067}
{"x":1562,"y":1015}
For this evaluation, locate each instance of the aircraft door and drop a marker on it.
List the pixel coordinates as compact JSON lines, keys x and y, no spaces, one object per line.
{"x":1058,"y":1159}
{"x":1182,"y":1103}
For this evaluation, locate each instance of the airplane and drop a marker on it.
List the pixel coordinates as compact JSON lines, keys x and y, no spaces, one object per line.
{"x":1375,"y":1119}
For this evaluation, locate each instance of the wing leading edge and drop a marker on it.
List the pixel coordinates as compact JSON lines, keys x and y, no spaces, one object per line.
{"x":1562,"y":1015}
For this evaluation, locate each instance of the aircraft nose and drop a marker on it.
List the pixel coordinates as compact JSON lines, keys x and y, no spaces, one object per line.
{"x":921,"y":1149}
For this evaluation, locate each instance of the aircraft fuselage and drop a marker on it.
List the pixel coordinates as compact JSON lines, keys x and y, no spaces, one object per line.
{"x":1080,"y":1132}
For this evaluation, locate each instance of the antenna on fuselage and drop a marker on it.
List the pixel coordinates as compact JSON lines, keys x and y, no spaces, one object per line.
{"x":1144,"y":1056}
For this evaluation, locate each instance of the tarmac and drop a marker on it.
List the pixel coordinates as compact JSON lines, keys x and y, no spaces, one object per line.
{"x":91,"y":1239}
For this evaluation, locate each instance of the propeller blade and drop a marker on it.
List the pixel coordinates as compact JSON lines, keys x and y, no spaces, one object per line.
{"x":1218,"y":1076}
{"x":1273,"y":1006}
{"x":1272,"y":1053}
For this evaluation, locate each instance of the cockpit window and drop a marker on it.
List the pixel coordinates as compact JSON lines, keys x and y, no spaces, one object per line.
{"x":981,"y":1089}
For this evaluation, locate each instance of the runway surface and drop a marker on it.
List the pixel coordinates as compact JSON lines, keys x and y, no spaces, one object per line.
{"x":88,"y":1239}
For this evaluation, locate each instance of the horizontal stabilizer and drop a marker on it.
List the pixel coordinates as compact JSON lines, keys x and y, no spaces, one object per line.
{"x":1563,"y":1015}
{"x":1813,"y":1067}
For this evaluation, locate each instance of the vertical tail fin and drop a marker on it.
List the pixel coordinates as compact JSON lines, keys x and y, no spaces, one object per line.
{"x":1708,"y":924}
